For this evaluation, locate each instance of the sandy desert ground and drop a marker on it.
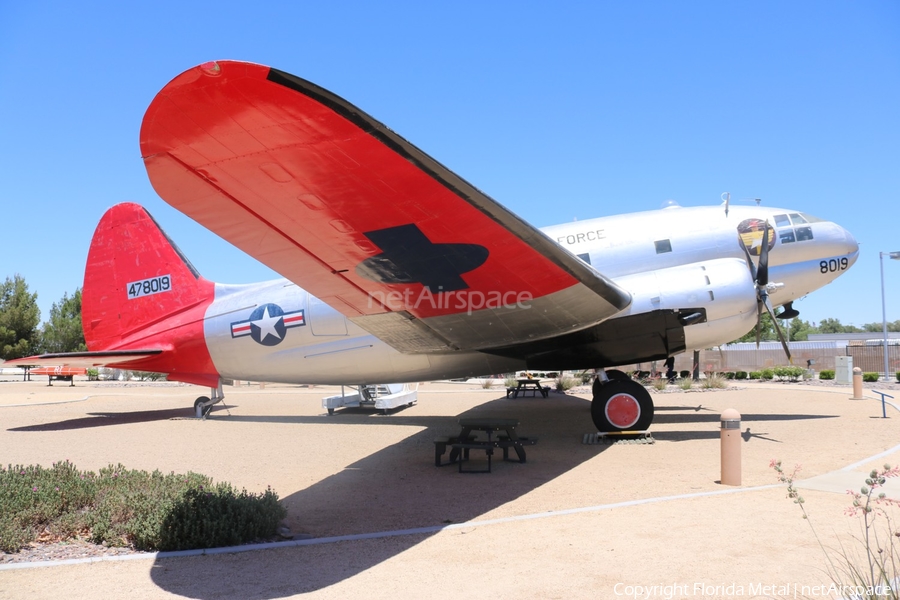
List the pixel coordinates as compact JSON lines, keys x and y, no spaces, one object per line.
{"x":375,"y":518}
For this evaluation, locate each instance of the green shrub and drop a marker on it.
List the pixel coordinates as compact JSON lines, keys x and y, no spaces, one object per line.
{"x":826,"y":374}
{"x":898,"y":376}
{"x":728,"y":374}
{"x":870,"y":377}
{"x":687,"y":374}
{"x":740,"y":375}
{"x":685,"y":383}
{"x":754,"y":375}
{"x":767,"y":374}
{"x":789,"y":373}
{"x":121,"y":507}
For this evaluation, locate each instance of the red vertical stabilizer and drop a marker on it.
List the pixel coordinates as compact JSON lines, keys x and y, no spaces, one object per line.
{"x":141,"y":292}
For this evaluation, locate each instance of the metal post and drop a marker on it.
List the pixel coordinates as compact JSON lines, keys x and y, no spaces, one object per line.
{"x":895,"y":256}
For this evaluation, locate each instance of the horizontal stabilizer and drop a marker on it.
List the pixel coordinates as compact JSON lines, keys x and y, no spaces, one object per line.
{"x":114,"y":358}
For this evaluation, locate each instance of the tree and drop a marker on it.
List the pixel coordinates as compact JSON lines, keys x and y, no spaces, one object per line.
{"x":798,"y":330}
{"x":766,"y":331}
{"x":877,"y":327}
{"x":19,"y":318}
{"x":63,"y":332}
{"x":835,"y":326}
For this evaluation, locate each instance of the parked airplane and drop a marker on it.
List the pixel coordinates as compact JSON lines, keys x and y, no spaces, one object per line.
{"x":399,"y":270}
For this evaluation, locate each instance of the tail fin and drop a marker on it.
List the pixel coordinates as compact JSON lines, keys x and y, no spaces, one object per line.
{"x":135,"y":277}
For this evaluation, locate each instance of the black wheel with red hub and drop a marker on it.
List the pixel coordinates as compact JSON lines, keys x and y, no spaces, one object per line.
{"x":621,"y":406}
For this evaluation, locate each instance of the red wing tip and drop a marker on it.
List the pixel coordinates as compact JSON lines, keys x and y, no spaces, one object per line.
{"x":211,"y":68}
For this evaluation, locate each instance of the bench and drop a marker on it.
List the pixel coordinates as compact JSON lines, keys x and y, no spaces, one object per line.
{"x":440,"y":447}
{"x":505,"y":443}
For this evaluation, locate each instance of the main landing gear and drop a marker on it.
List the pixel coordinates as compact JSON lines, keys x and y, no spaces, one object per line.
{"x":203,"y":405}
{"x":620,"y":404}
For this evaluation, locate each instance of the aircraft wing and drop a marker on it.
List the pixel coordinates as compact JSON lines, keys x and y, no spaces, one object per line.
{"x":115,"y":358}
{"x":333,"y":200}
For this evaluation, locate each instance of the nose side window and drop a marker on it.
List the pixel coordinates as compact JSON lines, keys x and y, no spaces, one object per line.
{"x":786,"y":236}
{"x":804,"y":233}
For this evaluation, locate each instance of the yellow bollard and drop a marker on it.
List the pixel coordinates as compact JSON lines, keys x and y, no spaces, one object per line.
{"x":857,"y":384}
{"x":730,"y":443}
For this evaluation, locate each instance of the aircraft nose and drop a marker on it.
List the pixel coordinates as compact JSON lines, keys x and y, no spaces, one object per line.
{"x":851,"y":245}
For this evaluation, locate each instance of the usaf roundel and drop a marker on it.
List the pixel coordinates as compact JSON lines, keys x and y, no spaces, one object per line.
{"x":268,"y":324}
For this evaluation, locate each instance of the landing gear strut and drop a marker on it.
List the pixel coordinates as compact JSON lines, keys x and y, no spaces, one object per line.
{"x":620,"y":404}
{"x":203,"y":405}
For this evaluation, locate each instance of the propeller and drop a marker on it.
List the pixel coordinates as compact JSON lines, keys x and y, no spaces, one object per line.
{"x":760,"y":274}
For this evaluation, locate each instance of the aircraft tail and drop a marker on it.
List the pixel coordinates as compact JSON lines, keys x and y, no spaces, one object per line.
{"x":139,"y":289}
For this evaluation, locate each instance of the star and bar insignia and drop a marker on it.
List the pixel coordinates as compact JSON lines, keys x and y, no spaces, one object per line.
{"x":268,"y":324}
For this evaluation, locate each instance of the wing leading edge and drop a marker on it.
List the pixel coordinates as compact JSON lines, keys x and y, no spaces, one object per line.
{"x":332,"y":199}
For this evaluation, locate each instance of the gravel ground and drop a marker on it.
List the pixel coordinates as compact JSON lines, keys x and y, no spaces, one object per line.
{"x":575,"y":520}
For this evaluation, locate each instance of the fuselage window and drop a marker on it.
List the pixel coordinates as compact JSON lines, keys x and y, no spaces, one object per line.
{"x":663,"y":246}
{"x":782,"y":221}
{"x":786,"y":236}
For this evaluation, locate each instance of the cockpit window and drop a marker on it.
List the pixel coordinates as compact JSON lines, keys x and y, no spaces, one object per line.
{"x":804,"y":233}
{"x":794,"y":227}
{"x":782,"y":221}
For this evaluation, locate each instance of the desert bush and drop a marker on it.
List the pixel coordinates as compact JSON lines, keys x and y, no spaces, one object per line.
{"x":740,"y":375}
{"x":870,"y":377}
{"x":767,"y":374}
{"x":685,"y":383}
{"x":659,"y":384}
{"x":687,"y":374}
{"x":713,"y":381}
{"x":898,"y":376}
{"x":564,"y":382}
{"x":754,"y":375}
{"x":826,"y":374}
{"x":121,"y":507}
{"x":487,"y":383}
{"x":510,"y":381}
{"x":871,"y":569}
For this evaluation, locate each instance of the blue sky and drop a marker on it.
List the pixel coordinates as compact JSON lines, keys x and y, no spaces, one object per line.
{"x":575,"y":110}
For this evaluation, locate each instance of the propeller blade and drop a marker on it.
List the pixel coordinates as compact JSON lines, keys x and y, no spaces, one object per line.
{"x":749,"y":262}
{"x":778,"y":329}
{"x":758,"y":320}
{"x":762,"y":277}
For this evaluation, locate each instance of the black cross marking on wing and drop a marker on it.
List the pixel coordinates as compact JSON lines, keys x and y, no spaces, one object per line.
{"x":408,"y":256}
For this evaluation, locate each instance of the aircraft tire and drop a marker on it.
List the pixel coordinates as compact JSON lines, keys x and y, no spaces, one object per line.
{"x":617,"y":375}
{"x":199,"y":410}
{"x":621,"y":406}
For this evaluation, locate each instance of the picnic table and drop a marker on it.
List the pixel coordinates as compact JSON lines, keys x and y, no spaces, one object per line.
{"x":526,"y":385}
{"x":501,"y":434}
